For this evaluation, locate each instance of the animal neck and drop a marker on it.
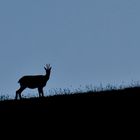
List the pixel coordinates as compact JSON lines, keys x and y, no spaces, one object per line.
{"x":47,"y":76}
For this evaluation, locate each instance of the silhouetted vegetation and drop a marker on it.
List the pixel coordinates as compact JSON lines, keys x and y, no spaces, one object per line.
{"x":67,"y":101}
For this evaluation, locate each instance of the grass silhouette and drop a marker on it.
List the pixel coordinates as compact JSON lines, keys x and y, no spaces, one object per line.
{"x":67,"y":101}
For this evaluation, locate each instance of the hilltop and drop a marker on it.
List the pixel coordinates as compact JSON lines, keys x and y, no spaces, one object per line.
{"x":75,"y":101}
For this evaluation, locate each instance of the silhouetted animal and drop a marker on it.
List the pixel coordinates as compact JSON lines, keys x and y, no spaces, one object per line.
{"x":34,"y":81}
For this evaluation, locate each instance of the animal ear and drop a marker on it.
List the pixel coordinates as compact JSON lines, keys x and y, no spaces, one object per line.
{"x":45,"y":68}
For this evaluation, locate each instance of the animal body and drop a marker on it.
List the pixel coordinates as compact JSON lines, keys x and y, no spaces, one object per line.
{"x":34,"y":81}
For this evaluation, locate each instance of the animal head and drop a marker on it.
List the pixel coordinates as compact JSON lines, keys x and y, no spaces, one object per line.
{"x":48,"y":69}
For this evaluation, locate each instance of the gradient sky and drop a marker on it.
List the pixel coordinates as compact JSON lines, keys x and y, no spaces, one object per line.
{"x":85,"y":41}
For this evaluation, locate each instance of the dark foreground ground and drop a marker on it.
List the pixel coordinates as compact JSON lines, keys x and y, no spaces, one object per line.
{"x":107,"y":113}
{"x":123,"y":98}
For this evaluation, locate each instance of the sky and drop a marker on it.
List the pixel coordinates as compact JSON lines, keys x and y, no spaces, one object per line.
{"x":87,"y":42}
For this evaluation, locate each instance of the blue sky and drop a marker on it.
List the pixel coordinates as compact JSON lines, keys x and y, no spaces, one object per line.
{"x":85,"y":41}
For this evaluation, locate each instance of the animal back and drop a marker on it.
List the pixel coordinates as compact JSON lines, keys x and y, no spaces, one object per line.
{"x":33,"y":81}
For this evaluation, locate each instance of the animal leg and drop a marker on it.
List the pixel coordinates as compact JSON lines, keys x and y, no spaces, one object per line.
{"x":40,"y":91}
{"x":19,"y":91}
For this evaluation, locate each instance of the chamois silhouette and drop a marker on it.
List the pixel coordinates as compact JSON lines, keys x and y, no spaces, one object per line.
{"x":34,"y":81}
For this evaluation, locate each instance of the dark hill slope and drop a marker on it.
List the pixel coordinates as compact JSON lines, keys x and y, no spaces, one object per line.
{"x":71,"y":101}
